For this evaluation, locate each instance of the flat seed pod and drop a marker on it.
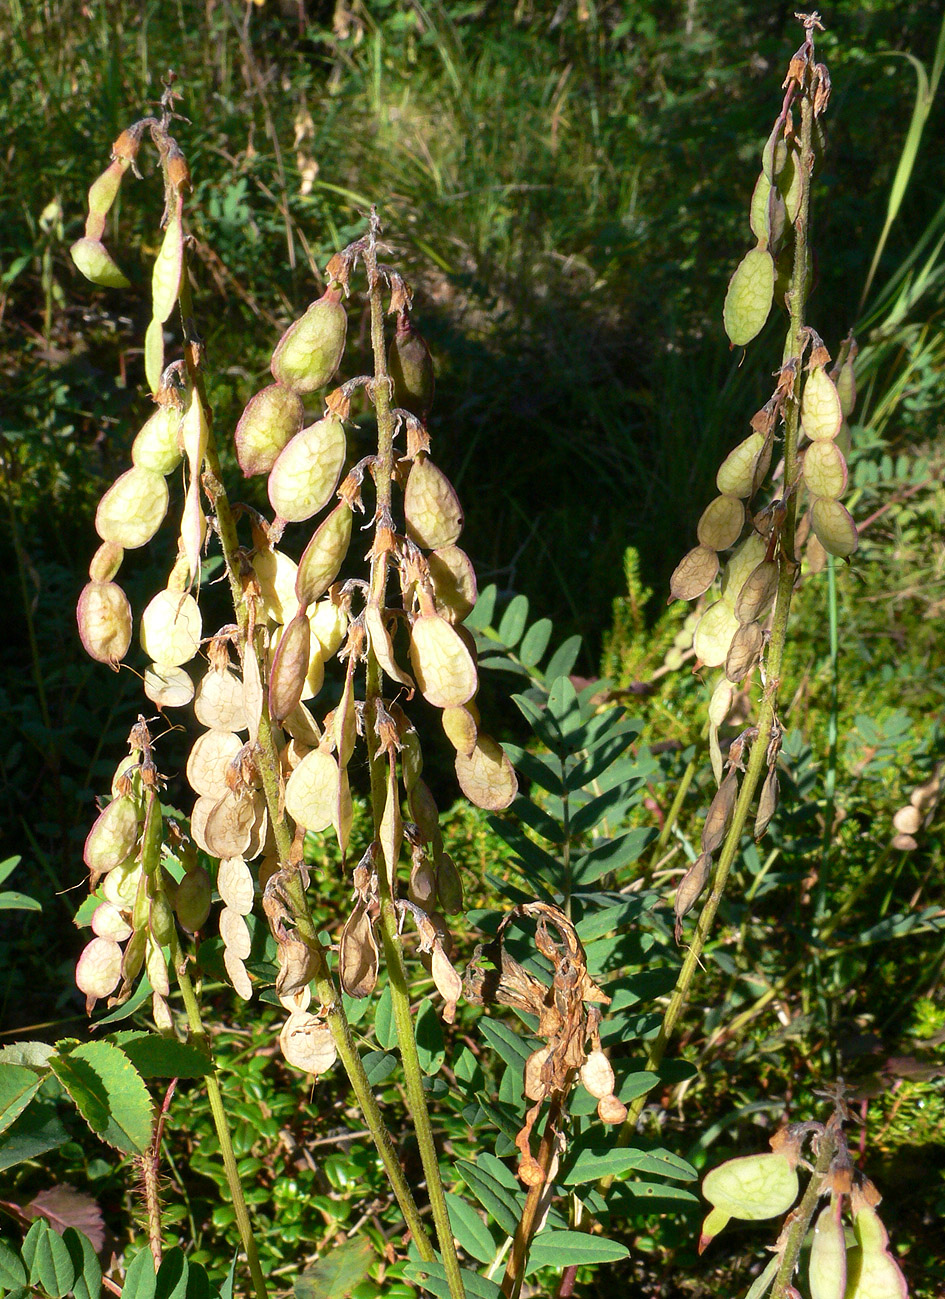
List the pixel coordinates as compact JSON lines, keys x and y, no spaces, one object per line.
{"x":383,"y":648}
{"x":421,"y":888}
{"x":195,"y":433}
{"x":454,"y":582}
{"x":827,"y":1266}
{"x":99,"y":969}
{"x":344,"y":725}
{"x":738,"y":472}
{"x":307,"y":1043}
{"x":307,"y":469}
{"x":713,"y":636}
{"x":410,"y":367}
{"x":161,"y":919}
{"x":872,"y":1272}
{"x":171,"y":627}
{"x":104,"y":190}
{"x":218,"y":701}
{"x":423,"y":811}
{"x":461,"y":729}
{"x":209,"y":758}
{"x":154,"y":354}
{"x":744,"y":560}
{"x":753,"y":1187}
{"x":758,"y":209}
{"x":721,"y":523}
{"x":534,"y":1087}
{"x":447,"y":980}
{"x":690,"y":887}
{"x":343,"y":813}
{"x":132,"y":509}
{"x":431,"y":506}
{"x":311,"y":792}
{"x":165,"y":276}
{"x":774,"y":154}
{"x":269,"y":421}
{"x":112,"y":837}
{"x":192,"y":899}
{"x":825,"y":470}
{"x":908,"y":819}
{"x":329,"y":625}
{"x":694,"y":573}
{"x":277,"y":574}
{"x":758,"y":592}
{"x":790,"y":183}
{"x":168,"y":687}
{"x":303,"y":728}
{"x":96,"y":263}
{"x":315,"y":676}
{"x":106,"y":561}
{"x":749,"y":297}
{"x":744,"y":651}
{"x":235,"y":933}
{"x":449,"y":885}
{"x":236,"y":973}
{"x":109,"y":922}
{"x":834,"y":528}
{"x":767,"y":804}
{"x":120,"y":886}
{"x":309,"y":352}
{"x":235,"y":885}
{"x":610,"y":1109}
{"x":719,"y":814}
{"x":358,"y":955}
{"x":820,"y":406}
{"x":323,"y":556}
{"x":846,"y":388}
{"x":442,"y":665}
{"x":297,"y":967}
{"x":290,"y":667}
{"x":391,"y":830}
{"x":720,"y":702}
{"x":301,"y":999}
{"x":229,"y":827}
{"x":156,"y":969}
{"x":103,"y":615}
{"x":597,"y":1075}
{"x":486,"y":777}
{"x":157,"y":447}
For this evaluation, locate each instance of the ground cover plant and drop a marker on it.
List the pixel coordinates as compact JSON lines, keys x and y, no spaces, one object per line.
{"x":520,"y":1152}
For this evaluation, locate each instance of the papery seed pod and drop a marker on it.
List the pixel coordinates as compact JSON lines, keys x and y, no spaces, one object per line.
{"x":535,"y":1087}
{"x":297,"y":966}
{"x":454,"y":582}
{"x":752,"y":1188}
{"x":132,"y":509}
{"x":309,"y":352}
{"x":236,"y":973}
{"x":749,"y":297}
{"x":431,"y":507}
{"x":157,"y":446}
{"x":411,"y":368}
{"x":744,"y":560}
{"x":306,"y":471}
{"x":171,"y":627}
{"x":690,"y":887}
{"x":156,"y":969}
{"x":421,"y":890}
{"x":758,"y":592}
{"x":449,"y":885}
{"x":720,"y":813}
{"x":358,"y":955}
{"x":165,"y":276}
{"x":767,"y":804}
{"x":739,"y":472}
{"x":307,"y":1043}
{"x":235,"y":885}
{"x":827,"y":1267}
{"x":301,"y":999}
{"x":721,"y":522}
{"x":904,"y":843}
{"x":694,"y":573}
{"x":235,"y":933}
{"x":442,"y":665}
{"x":721,"y":702}
{"x":103,"y":615}
{"x":611,"y":1110}
{"x":168,"y":687}
{"x":120,"y":885}
{"x":161,"y":920}
{"x":323,"y":556}
{"x":461,"y":729}
{"x":269,"y":421}
{"x":277,"y":575}
{"x":192,"y":900}
{"x":161,"y":1014}
{"x":379,"y":637}
{"x":102,"y":194}
{"x":391,"y":829}
{"x":234,"y":824}
{"x":744,"y":651}
{"x":597,"y":1075}
{"x":290,"y":666}
{"x":218,"y":701}
{"x":486,"y":776}
{"x":834,"y":527}
{"x":113,"y":836}
{"x":424,"y":813}
{"x":713,"y":636}
{"x":108,"y":921}
{"x":908,"y":820}
{"x":96,"y":263}
{"x":846,"y":387}
{"x":344,"y":725}
{"x":329,"y":625}
{"x":106,"y":561}
{"x":447,"y":980}
{"x":342,"y":818}
{"x":311,"y":792}
{"x":821,"y":414}
{"x":303,"y":728}
{"x":824,"y":470}
{"x":872,"y":1272}
{"x":98,"y":970}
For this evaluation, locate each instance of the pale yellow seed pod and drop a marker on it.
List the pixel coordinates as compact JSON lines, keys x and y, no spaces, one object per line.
{"x":535,"y":1088}
{"x":597,"y":1075}
{"x":713,"y":636}
{"x":825,"y":470}
{"x":113,"y":836}
{"x":99,"y":969}
{"x":236,"y":973}
{"x":740,"y":471}
{"x":720,"y":702}
{"x":310,"y":350}
{"x":307,"y":469}
{"x":218,"y":701}
{"x":277,"y":574}
{"x":443,"y":666}
{"x":827,"y":1267}
{"x":749,"y":297}
{"x":311,"y":792}
{"x":132,"y":509}
{"x":834,"y":528}
{"x":461,"y":729}
{"x":154,"y":354}
{"x":168,"y":687}
{"x":104,"y":619}
{"x":96,"y":263}
{"x":821,"y":413}
{"x":108,"y":921}
{"x":235,"y":933}
{"x":486,"y":776}
{"x":157,"y":446}
{"x":454,"y":582}
{"x":235,"y":885}
{"x":324,"y":555}
{"x":307,"y":1043}
{"x":744,"y":560}
{"x":721,"y":523}
{"x":694,"y":573}
{"x":431,"y":506}
{"x":106,"y":561}
{"x":120,"y":886}
{"x":329,"y":625}
{"x":171,"y":627}
{"x":758,"y":209}
{"x":269,"y":421}
{"x":611,"y":1110}
{"x":209,"y":758}
{"x":908,"y":820}
{"x":382,"y":646}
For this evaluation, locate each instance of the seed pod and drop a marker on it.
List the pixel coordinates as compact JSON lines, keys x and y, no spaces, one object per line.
{"x":156,"y":968}
{"x":383,"y":649}
{"x":758,"y":209}
{"x":411,"y":368}
{"x":721,"y":523}
{"x":108,"y":921}
{"x":744,"y":651}
{"x":209,"y":758}
{"x":442,"y":665}
{"x":218,"y":701}
{"x":309,"y":352}
{"x":297,"y":966}
{"x":446,"y":978}
{"x":454,"y":582}
{"x":235,"y":885}
{"x":121,"y":884}
{"x":753,"y":1187}
{"x":290,"y":666}
{"x":271,"y":419}
{"x":486,"y":777}
{"x":872,"y":1272}
{"x":461,"y":729}
{"x":908,"y":820}
{"x":749,"y":297}
{"x":235,"y":933}
{"x":820,"y":406}
{"x":721,"y":702}
{"x":165,"y":277}
{"x":690,"y":887}
{"x":157,"y":445}
{"x":827,"y":1269}
{"x":391,"y":829}
{"x":132,"y":509}
{"x":720,"y":813}
{"x":96,"y":263}
{"x":767,"y":804}
{"x":431,"y":507}
{"x":694,"y":573}
{"x":611,"y":1110}
{"x":421,"y":889}
{"x":98,"y":970}
{"x":758,"y":592}
{"x":745,"y":559}
{"x":311,"y":792}
{"x":342,"y":817}
{"x":329,"y":626}
{"x":357,"y":954}
{"x":825,"y":470}
{"x":102,"y":194}
{"x":424,"y":813}
{"x":235,"y":825}
{"x":298,"y":1000}
{"x":713,"y":636}
{"x":307,"y":1043}
{"x":104,"y":619}
{"x":171,"y":626}
{"x":192,"y":900}
{"x":774,"y":154}
{"x":834,"y":528}
{"x":597,"y":1075}
{"x":236,"y":973}
{"x":535,"y":1088}
{"x":846,"y":388}
{"x":449,"y":885}
{"x":323,"y":556}
{"x":743,"y":468}
{"x":106,"y":561}
{"x":168,"y":687}
{"x":306,"y":471}
{"x":113,"y":836}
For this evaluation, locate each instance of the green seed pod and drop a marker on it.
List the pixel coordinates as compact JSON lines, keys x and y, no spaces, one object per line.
{"x":443,"y":667}
{"x":774,"y":154}
{"x":743,"y":468}
{"x":102,"y":194}
{"x":846,"y":388}
{"x":112,"y":838}
{"x":790,"y":183}
{"x":758,"y":209}
{"x":192,"y":900}
{"x":752,"y":1188}
{"x":454,"y":582}
{"x":449,"y":885}
{"x":96,"y":263}
{"x":171,"y":627}
{"x":743,"y":561}
{"x":104,"y":619}
{"x":165,"y":277}
{"x":461,"y":729}
{"x":132,"y":509}
{"x":306,"y":471}
{"x":749,"y":297}
{"x":323,"y":556}
{"x":721,"y":522}
{"x":290,"y":666}
{"x":486,"y":776}
{"x":713,"y":636}
{"x":825,"y":470}
{"x":161,"y":920}
{"x":106,"y":561}
{"x":758,"y":592}
{"x":872,"y":1272}
{"x":157,"y":446}
{"x":271,"y":419}
{"x":821,"y":414}
{"x":411,"y":368}
{"x":694,"y":573}
{"x":154,"y":354}
{"x":834,"y":528}
{"x":431,"y":506}
{"x":744,"y":651}
{"x":311,"y":792}
{"x":309,"y":352}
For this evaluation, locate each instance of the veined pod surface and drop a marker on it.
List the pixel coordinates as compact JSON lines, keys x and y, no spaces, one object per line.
{"x":827,"y":1269}
{"x":432,"y":509}
{"x":208,"y":760}
{"x":236,"y":973}
{"x":218,"y":701}
{"x":461,"y":729}
{"x":171,"y":627}
{"x":330,"y":625}
{"x":721,"y":522}
{"x":358,"y":954}
{"x":307,"y":469}
{"x":235,"y":933}
{"x":834,"y":528}
{"x":109,"y":922}
{"x":290,"y":667}
{"x":744,"y":651}
{"x":233,"y":823}
{"x":99,"y":969}
{"x":277,"y":574}
{"x":694,"y":573}
{"x":749,"y":297}
{"x":410,"y":367}
{"x":235,"y":885}
{"x":752,"y":1188}
{"x":825,"y":470}
{"x":743,"y":561}
{"x":132,"y":509}
{"x":821,"y":413}
{"x":454,"y":582}
{"x":758,"y":592}
{"x":311,"y":792}
{"x":323,"y":556}
{"x":720,"y":813}
{"x":165,"y":276}
{"x":120,"y":886}
{"x":443,"y":667}
{"x":846,"y":388}
{"x":309,"y":352}
{"x":740,"y":471}
{"x":758,"y":208}
{"x":112,"y":838}
{"x":157,"y":446}
{"x":720,"y":702}
{"x":713,"y":636}
{"x":96,"y":263}
{"x":486,"y":776}
{"x":104,"y":619}
{"x":269,"y":421}
{"x":168,"y":687}
{"x":106,"y":561}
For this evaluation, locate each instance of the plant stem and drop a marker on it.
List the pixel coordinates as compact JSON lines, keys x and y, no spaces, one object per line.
{"x":515,"y":1268}
{"x":800,"y":1219}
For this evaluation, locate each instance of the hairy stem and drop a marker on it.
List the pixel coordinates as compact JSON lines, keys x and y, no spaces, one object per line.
{"x":800,"y":1219}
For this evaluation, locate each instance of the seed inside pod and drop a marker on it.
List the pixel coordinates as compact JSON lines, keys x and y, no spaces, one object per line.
{"x":721,"y":523}
{"x":825,"y":469}
{"x":744,"y":651}
{"x":269,"y":421}
{"x":96,"y":263}
{"x":443,"y":666}
{"x":834,"y":527}
{"x":171,"y":626}
{"x":454,"y":582}
{"x":486,"y":777}
{"x":157,"y":447}
{"x":713,"y":636}
{"x":694,"y":573}
{"x":311,"y":792}
{"x":309,"y":352}
{"x":749,"y":297}
{"x":192,"y":900}
{"x":431,"y":506}
{"x":324,"y":555}
{"x":758,"y":592}
{"x":307,"y":469}
{"x":103,"y":615}
{"x":820,"y":406}
{"x":132,"y":509}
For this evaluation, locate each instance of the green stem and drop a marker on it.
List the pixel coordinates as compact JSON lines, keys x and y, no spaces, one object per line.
{"x":802,"y":1216}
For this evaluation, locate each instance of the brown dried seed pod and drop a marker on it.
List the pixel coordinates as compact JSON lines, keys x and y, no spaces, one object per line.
{"x":323,"y":556}
{"x":297,"y":966}
{"x":449,"y":885}
{"x":721,"y":523}
{"x":713,"y":636}
{"x":821,"y":413}
{"x":454,"y":582}
{"x":486,"y":777}
{"x":228,"y":831}
{"x":411,"y":368}
{"x":758,"y":592}
{"x":290,"y":667}
{"x":309,"y":352}
{"x":694,"y":573}
{"x":358,"y":955}
{"x":307,"y":1043}
{"x":104,"y":619}
{"x":825,"y":470}
{"x":611,"y":1110}
{"x":432,"y":509}
{"x":443,"y":667}
{"x":749,"y":297}
{"x":132,"y":509}
{"x":904,"y":843}
{"x":535,"y":1087}
{"x":597,"y":1075}
{"x":691,"y":886}
{"x":767,"y":803}
{"x":448,"y":982}
{"x":744,"y":651}
{"x":719,"y":813}
{"x":834,"y":527}
{"x":271,"y":418}
{"x":306,"y":471}
{"x":422,"y":886}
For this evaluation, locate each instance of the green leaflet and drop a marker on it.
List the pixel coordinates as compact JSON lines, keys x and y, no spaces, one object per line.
{"x":336,"y":1275}
{"x":48,"y":1259}
{"x":469,"y":1229}
{"x":432,"y":1277}
{"x":572,"y":1248}
{"x":18,"y":1086}
{"x":109,"y":1093}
